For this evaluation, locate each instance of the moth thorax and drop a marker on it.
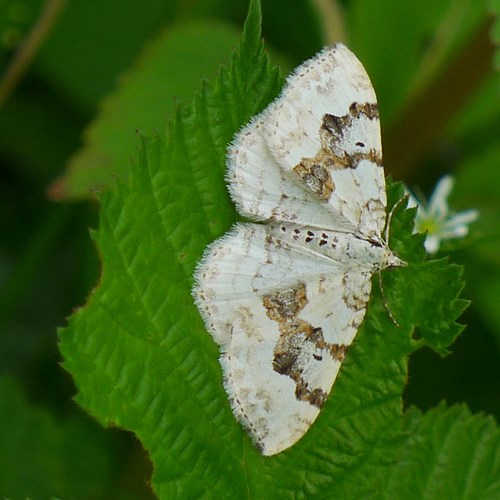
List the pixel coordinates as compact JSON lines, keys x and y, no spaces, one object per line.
{"x":370,"y":253}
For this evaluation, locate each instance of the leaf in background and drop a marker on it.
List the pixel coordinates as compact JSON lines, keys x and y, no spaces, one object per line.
{"x":478,"y":186}
{"x":92,"y":42}
{"x":476,"y":127}
{"x":404,"y":44}
{"x":141,"y":357}
{"x":171,"y":67}
{"x":449,"y":453}
{"x":429,"y":59}
{"x":15,"y":22}
{"x":41,"y":456}
{"x":495,"y":32}
{"x":278,"y":18}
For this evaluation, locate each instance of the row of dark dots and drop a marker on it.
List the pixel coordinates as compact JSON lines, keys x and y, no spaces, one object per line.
{"x":310,"y":236}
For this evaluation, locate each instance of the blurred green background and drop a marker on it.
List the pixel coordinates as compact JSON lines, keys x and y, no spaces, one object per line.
{"x":68,"y":119}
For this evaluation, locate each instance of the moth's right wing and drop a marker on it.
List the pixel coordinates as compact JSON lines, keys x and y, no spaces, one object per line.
{"x":283,"y":317}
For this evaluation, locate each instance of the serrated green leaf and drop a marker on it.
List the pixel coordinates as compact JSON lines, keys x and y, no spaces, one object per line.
{"x":141,"y":357}
{"x":412,"y":302}
{"x":449,"y":454}
{"x":409,"y":246}
{"x":408,"y":290}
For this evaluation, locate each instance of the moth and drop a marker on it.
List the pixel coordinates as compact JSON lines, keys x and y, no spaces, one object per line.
{"x":285,"y":295}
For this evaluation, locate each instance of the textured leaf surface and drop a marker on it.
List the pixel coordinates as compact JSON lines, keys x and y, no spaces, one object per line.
{"x":141,"y":357}
{"x":449,"y":454}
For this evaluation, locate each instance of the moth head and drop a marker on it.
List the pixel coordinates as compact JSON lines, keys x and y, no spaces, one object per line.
{"x":392,"y":260}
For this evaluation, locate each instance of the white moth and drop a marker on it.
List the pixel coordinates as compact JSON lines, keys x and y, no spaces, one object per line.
{"x":284,"y":297}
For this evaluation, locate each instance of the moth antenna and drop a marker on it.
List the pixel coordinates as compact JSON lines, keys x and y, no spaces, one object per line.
{"x":389,"y":218}
{"x":386,"y":307}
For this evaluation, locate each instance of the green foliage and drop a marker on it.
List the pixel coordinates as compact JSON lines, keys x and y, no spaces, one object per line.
{"x":82,"y":57}
{"x":448,"y":453}
{"x":165,"y":70}
{"x":141,"y":357}
{"x":138,"y":350}
{"x":14,"y":23}
{"x":150,"y":238}
{"x":427,"y":34}
{"x":50,"y":467}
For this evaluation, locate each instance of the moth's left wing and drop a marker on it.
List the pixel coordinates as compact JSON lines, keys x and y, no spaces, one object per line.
{"x":262,"y":190}
{"x":325,"y":129}
{"x":314,"y":155}
{"x":283,"y":317}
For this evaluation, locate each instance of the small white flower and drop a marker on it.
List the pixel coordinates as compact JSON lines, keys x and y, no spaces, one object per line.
{"x":437,"y":220}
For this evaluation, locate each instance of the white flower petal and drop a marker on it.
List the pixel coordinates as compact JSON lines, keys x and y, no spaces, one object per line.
{"x":413,"y":201}
{"x":432,"y":243}
{"x":436,"y":219}
{"x":438,"y":203}
{"x":456,"y":226}
{"x":465,"y":217}
{"x":454,"y":231}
